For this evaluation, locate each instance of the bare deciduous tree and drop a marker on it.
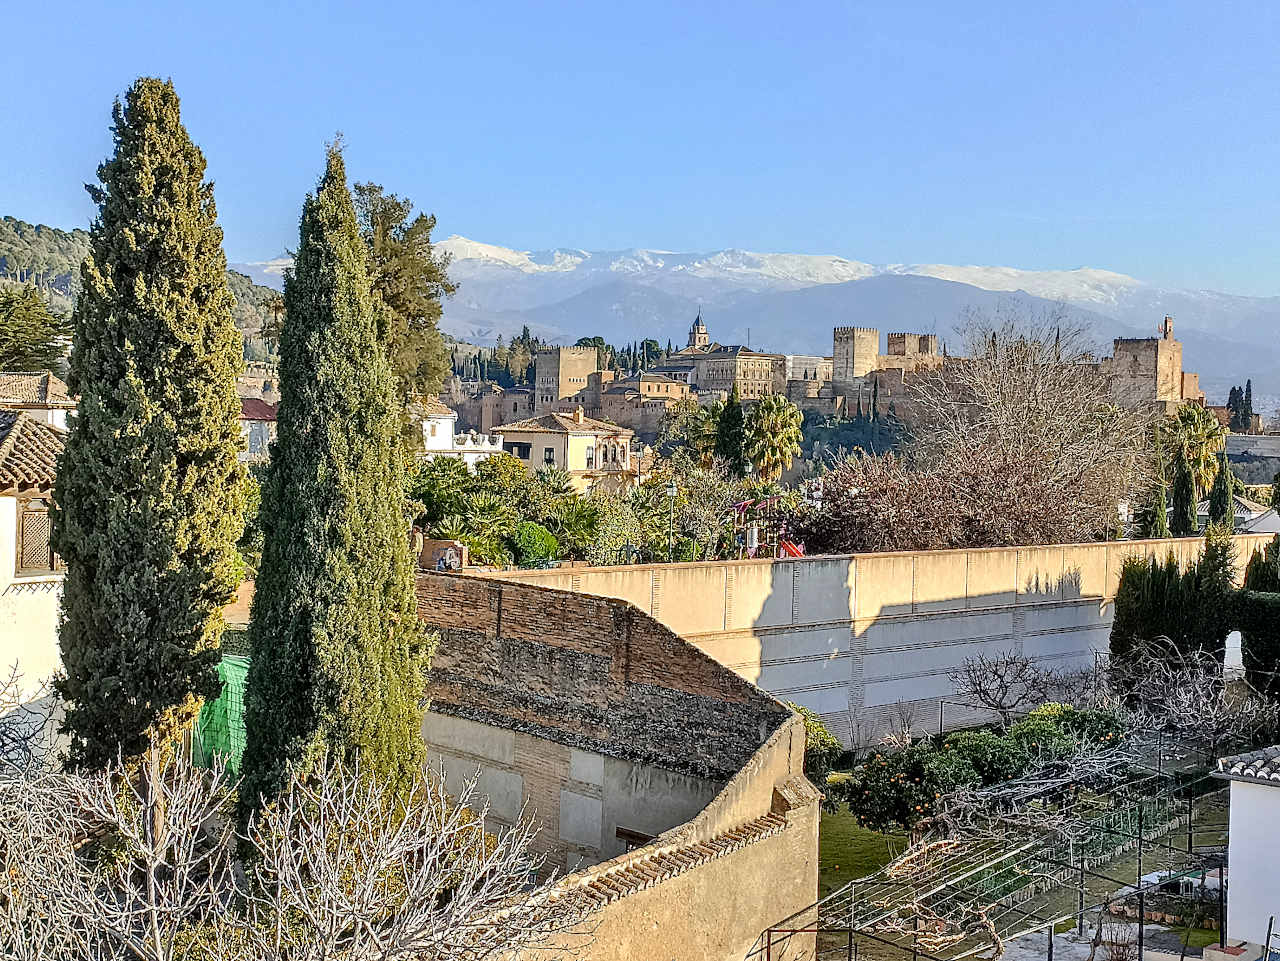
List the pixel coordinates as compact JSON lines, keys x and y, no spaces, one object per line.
{"x":142,"y":864}
{"x":1009,"y":683}
{"x":1167,"y":688}
{"x":1016,"y":443}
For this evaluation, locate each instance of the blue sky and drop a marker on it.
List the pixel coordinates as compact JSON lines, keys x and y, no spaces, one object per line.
{"x":1137,"y":137}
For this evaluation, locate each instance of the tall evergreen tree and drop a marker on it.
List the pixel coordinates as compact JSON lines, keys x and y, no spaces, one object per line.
{"x":1159,"y":526}
{"x":337,"y":659}
{"x":1246,"y":402}
{"x":32,"y":337}
{"x":1183,"y":521}
{"x":150,"y":495}
{"x":1221,"y":507}
{"x":409,"y":280}
{"x":731,"y":434}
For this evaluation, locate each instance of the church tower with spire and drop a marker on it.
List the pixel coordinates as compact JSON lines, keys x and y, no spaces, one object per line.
{"x":698,"y":336}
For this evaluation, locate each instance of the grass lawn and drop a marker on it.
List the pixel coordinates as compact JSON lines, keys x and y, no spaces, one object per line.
{"x":847,"y":851}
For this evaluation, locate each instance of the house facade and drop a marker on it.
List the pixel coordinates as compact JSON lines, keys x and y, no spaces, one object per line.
{"x":257,"y":427}
{"x":1254,"y":845}
{"x":441,"y":439}
{"x":31,"y":574}
{"x":592,"y":452}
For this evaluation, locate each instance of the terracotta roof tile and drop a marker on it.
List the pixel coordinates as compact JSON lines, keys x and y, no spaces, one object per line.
{"x":35,"y":388}
{"x":254,"y":408}
{"x":558,"y":423}
{"x":435,"y":407}
{"x":29,"y":452}
{"x":1263,"y":765}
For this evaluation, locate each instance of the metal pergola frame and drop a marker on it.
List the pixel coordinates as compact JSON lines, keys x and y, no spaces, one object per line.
{"x":1019,"y":874}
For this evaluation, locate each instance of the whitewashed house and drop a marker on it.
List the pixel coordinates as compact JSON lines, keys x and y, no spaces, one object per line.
{"x":39,"y":393}
{"x":30,"y":572}
{"x":1253,"y":858}
{"x":257,"y":427}
{"x":440,"y":437}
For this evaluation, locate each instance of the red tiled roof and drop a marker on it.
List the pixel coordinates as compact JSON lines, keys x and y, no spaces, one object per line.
{"x":29,"y":452}
{"x":558,"y":423}
{"x":435,"y":407}
{"x":33,"y":389}
{"x":254,"y":408}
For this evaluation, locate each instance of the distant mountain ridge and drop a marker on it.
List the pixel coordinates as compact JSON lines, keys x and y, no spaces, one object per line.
{"x":790,"y":302}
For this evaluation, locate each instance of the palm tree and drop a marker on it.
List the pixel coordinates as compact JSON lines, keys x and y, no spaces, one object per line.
{"x":704,"y":431}
{"x":773,"y":435}
{"x":574,"y":524}
{"x":488,"y":515}
{"x":1196,"y":434}
{"x":555,"y":481}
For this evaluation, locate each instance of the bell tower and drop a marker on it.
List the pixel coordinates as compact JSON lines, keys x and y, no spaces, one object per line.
{"x":698,"y":336}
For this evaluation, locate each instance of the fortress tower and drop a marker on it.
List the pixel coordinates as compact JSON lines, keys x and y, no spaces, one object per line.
{"x":853,"y":353}
{"x":909,"y":345}
{"x":559,"y":372}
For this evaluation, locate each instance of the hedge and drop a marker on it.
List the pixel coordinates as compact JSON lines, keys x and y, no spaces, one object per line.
{"x":1258,"y":617}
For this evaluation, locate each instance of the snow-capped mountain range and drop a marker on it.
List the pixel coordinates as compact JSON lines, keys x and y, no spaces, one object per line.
{"x":790,"y":302}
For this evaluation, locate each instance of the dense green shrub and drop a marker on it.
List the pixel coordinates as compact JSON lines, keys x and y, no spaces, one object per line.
{"x":1193,"y":608}
{"x":534,"y":544}
{"x":993,"y":757}
{"x":1088,"y":725}
{"x":1262,"y":573}
{"x":899,"y":788}
{"x":821,"y":747}
{"x":1041,"y":739}
{"x":1258,"y":617}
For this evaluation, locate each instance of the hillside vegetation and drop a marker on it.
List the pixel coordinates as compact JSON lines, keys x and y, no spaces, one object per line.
{"x":49,"y":259}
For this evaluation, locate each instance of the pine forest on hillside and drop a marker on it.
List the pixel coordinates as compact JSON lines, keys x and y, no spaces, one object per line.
{"x":49,"y":259}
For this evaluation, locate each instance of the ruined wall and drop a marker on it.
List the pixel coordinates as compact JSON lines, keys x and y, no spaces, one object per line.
{"x":904,"y":344}
{"x":851,"y":636}
{"x":588,"y":806}
{"x":597,"y":716}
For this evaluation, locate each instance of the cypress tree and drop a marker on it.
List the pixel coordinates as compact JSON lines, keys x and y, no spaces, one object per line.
{"x":150,"y":495}
{"x":1183,"y":521}
{"x":1159,"y":513}
{"x":1221,"y":508}
{"x":337,"y":658}
{"x":731,"y":433}
{"x":1246,"y":403}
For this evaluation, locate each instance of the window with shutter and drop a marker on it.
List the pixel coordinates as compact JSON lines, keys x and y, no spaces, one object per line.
{"x":35,"y":529}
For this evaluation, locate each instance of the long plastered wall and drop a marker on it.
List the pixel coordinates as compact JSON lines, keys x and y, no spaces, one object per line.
{"x":865,"y":639}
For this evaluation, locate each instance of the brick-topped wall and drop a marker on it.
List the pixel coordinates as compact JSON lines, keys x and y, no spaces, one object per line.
{"x":590,"y":672}
{"x":851,"y":637}
{"x":589,"y":716}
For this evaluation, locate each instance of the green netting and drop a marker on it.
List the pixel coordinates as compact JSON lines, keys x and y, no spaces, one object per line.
{"x":220,"y":727}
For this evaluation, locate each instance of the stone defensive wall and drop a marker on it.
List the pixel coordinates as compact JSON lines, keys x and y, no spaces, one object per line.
{"x":669,"y":791}
{"x":867,"y":638}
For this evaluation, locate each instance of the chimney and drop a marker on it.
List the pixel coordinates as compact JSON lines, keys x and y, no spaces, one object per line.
{"x":577,"y":415}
